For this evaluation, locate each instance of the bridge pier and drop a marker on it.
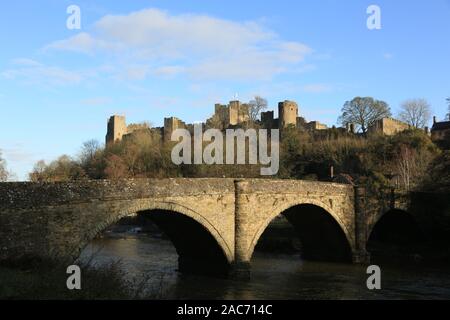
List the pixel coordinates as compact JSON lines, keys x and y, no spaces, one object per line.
{"x":361,"y":257}
{"x":241,"y":265}
{"x":240,"y":271}
{"x":360,"y":254}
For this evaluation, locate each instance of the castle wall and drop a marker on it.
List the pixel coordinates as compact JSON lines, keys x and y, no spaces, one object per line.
{"x":316,"y":125}
{"x":388,"y":126}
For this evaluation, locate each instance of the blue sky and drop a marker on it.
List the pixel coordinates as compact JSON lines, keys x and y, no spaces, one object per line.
{"x":152,"y":59}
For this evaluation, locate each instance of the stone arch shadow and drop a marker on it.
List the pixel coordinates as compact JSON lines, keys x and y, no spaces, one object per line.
{"x":292,"y":211}
{"x":395,"y":226}
{"x":218,"y":256}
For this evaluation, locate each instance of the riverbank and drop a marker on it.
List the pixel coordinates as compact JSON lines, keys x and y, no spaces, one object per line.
{"x":46,"y":280}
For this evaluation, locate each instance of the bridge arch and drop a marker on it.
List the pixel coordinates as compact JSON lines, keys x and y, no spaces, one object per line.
{"x":396,"y":226}
{"x":163,"y":214}
{"x":297,"y":214}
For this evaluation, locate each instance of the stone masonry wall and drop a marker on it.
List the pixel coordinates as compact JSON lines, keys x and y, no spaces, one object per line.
{"x":59,"y":219}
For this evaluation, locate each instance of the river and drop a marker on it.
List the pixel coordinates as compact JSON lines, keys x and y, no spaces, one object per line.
{"x":273,"y":276}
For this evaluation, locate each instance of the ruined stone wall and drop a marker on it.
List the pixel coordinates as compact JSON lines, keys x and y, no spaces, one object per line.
{"x":117,"y":128}
{"x":388,"y":126}
{"x":233,"y":110}
{"x":316,"y":125}
{"x":170,"y":125}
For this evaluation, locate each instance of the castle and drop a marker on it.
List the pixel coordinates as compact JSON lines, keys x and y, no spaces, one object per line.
{"x":225,"y":116}
{"x":288,"y":117}
{"x":236,"y":114}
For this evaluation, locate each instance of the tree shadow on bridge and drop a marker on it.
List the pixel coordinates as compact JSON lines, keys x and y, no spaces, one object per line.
{"x":309,"y":230}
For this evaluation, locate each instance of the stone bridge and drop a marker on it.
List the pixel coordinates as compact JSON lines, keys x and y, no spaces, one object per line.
{"x":215,"y":223}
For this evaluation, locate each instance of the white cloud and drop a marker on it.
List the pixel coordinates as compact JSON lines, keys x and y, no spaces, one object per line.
{"x":388,"y":56}
{"x":26,"y":62}
{"x":136,"y":72}
{"x":81,"y":43}
{"x":317,"y":88}
{"x":200,"y":46}
{"x":169,"y":71}
{"x":176,"y":34}
{"x":32,"y":72}
{"x":17,"y":153}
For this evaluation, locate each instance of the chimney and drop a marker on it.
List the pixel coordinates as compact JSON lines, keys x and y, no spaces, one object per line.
{"x":434,"y":119}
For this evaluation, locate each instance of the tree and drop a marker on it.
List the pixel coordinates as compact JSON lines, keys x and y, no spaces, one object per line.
{"x":62,"y":169}
{"x":38,"y":174}
{"x":363,"y":112}
{"x":415,"y":112}
{"x":115,"y":167}
{"x":89,"y":150}
{"x":4,"y":174}
{"x":406,"y":167}
{"x":438,"y":177}
{"x":448,"y":114}
{"x":256,"y":106}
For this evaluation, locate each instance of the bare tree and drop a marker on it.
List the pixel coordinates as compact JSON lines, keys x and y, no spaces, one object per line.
{"x":62,"y":169}
{"x":4,"y":174}
{"x":406,"y":167}
{"x":363,"y":112}
{"x":415,"y":112}
{"x":39,"y":172}
{"x":411,"y":166}
{"x":448,"y":114}
{"x":89,"y":150}
{"x":256,"y":106}
{"x":116,"y":168}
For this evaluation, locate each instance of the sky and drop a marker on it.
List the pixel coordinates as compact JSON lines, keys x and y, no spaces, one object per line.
{"x":153,"y":59}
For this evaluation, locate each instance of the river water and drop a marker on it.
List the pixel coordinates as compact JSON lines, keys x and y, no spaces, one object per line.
{"x":273,"y":276}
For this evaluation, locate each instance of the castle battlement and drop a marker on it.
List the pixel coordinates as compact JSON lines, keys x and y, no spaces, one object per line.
{"x":225,"y":116}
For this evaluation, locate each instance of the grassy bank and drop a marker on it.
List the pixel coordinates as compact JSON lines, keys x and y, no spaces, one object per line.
{"x":46,"y":280}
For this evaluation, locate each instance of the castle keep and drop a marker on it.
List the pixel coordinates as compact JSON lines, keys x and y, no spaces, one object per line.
{"x":287,"y":113}
{"x":233,"y":114}
{"x":288,"y":116}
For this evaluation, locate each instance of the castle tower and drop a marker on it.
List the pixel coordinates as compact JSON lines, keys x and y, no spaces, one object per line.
{"x":170,"y":125}
{"x":267,"y":119}
{"x":287,"y":113}
{"x":234,"y":108}
{"x":117,"y":128}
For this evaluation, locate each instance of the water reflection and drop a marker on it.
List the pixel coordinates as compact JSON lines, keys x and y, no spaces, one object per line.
{"x":273,"y":276}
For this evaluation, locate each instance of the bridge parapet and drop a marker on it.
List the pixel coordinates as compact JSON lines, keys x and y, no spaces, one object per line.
{"x":265,"y":186}
{"x":27,"y":194}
